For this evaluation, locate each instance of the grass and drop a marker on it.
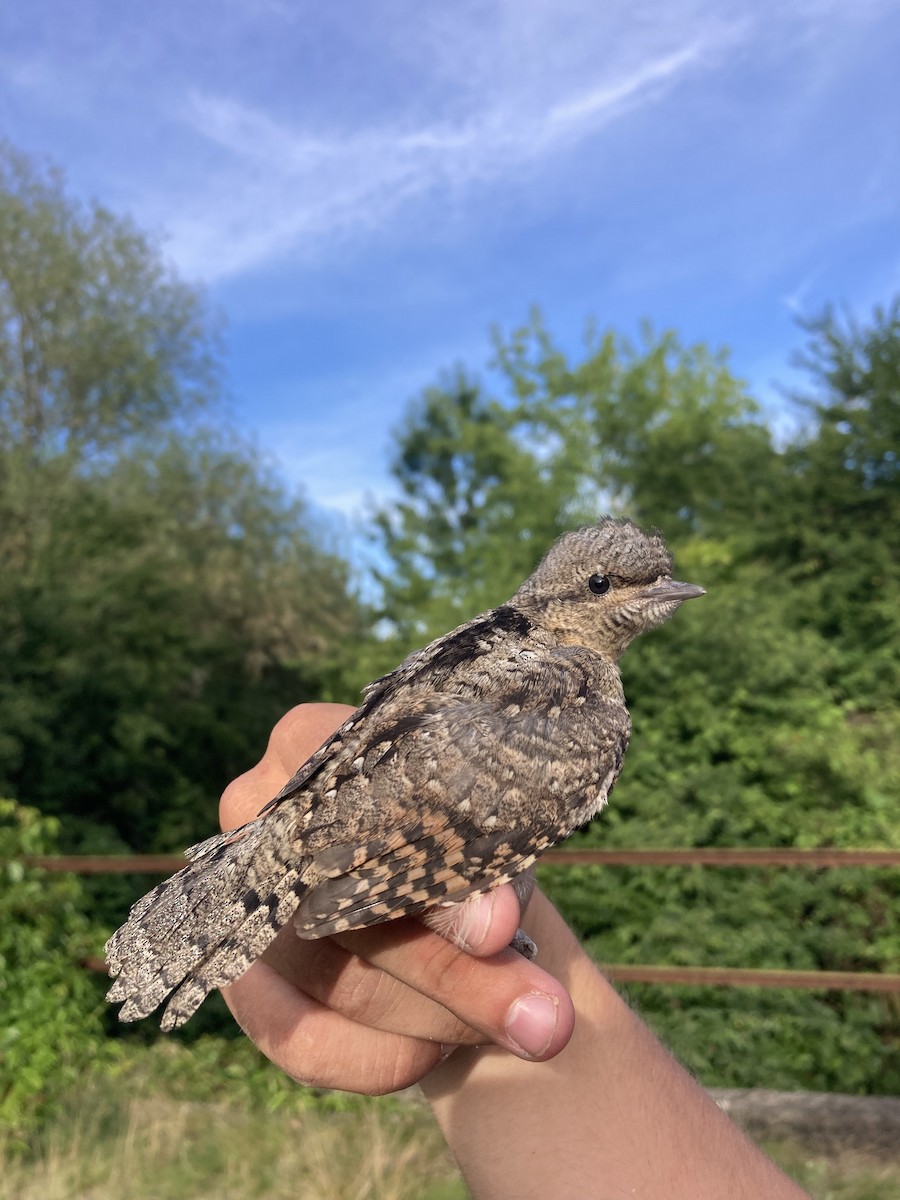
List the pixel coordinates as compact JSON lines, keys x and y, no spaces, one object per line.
{"x":159,"y":1149}
{"x":152,"y":1132}
{"x":844,"y":1177}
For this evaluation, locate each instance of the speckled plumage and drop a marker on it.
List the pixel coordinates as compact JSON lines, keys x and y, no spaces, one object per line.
{"x":459,"y":768}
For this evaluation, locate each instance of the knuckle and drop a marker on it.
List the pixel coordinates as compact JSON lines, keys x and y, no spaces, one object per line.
{"x":409,"y":1063}
{"x":370,"y":998}
{"x":447,"y":971}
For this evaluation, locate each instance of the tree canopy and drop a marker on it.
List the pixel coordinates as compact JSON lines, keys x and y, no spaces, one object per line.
{"x":163,"y":598}
{"x":768,"y":714}
{"x":101,"y":342}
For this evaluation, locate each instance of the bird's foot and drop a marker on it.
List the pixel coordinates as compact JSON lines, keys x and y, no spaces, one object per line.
{"x":525,"y":946}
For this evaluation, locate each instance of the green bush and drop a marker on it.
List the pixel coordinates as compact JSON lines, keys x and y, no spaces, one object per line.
{"x":789,"y":919}
{"x":51,"y":1023}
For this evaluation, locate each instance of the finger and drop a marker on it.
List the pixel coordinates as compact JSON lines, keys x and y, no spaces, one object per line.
{"x":319,"y":1047}
{"x":363,"y":992}
{"x":510,"y":1000}
{"x":352,"y":985}
{"x":246,"y":795}
{"x":438,"y":1004}
{"x":482,"y":925}
{"x":297,"y":735}
{"x":300,"y":733}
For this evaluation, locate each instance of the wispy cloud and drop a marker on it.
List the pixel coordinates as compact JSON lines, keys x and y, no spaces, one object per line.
{"x":369,"y":185}
{"x":263,"y":134}
{"x":584,"y":110}
{"x":796,"y":300}
{"x":314,"y":185}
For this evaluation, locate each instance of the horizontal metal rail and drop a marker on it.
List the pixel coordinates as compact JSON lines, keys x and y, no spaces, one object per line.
{"x":712,"y":856}
{"x":846,"y":981}
{"x":108,"y":864}
{"x":717,"y":856}
{"x":855,"y":981}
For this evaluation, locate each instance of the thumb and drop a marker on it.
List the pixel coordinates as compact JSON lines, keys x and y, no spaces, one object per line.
{"x":483,"y":924}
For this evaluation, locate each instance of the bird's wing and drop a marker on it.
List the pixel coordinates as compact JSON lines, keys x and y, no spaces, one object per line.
{"x":438,"y":660}
{"x":422,"y":796}
{"x":463,"y":793}
{"x":461,"y":647}
{"x":442,"y":862}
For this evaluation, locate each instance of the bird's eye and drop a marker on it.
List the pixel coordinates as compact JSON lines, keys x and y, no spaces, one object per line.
{"x":599,"y":584}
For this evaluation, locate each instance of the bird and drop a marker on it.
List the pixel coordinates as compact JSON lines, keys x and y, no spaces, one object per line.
{"x":459,"y":768}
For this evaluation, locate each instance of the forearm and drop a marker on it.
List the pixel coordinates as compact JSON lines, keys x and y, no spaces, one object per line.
{"x":613,"y":1114}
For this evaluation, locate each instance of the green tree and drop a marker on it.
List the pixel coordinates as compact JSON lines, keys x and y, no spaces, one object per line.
{"x":838,"y":532}
{"x":754,"y":724}
{"x":653,"y":426}
{"x":101,"y":343}
{"x":167,"y":614}
{"x":657,"y":429}
{"x":163,"y":598}
{"x":479,"y":504}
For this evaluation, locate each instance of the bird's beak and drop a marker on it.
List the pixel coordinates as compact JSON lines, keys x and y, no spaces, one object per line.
{"x":672,"y":589}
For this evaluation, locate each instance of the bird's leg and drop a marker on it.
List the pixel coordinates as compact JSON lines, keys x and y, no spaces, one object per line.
{"x":524,"y":945}
{"x":523,"y":886}
{"x":455,"y":921}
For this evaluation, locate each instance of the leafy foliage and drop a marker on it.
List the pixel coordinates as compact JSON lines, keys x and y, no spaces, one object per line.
{"x":163,"y":600}
{"x":158,"y":618}
{"x":838,"y":533}
{"x":768,"y":714}
{"x":101,"y":342}
{"x":51,"y":1026}
{"x":479,"y":504}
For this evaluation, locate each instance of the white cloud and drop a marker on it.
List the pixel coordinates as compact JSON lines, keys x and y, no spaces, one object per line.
{"x":583,"y":110}
{"x":314,"y":185}
{"x":796,"y":301}
{"x":303,"y":129}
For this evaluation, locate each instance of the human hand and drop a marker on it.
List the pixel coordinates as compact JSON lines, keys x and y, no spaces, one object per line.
{"x":374,"y":1010}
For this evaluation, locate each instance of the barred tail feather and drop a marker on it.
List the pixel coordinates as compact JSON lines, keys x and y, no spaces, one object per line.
{"x":203,"y":928}
{"x":229,"y":958}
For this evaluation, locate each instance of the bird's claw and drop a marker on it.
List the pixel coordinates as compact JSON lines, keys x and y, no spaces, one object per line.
{"x":525,"y":945}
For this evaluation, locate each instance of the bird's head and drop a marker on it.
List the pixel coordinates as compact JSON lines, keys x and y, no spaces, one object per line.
{"x":602,"y":585}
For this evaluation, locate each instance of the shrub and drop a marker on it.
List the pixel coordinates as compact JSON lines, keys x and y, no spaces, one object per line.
{"x":51,"y":1022}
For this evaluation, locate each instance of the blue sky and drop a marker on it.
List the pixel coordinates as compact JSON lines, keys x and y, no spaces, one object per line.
{"x":364,"y":186}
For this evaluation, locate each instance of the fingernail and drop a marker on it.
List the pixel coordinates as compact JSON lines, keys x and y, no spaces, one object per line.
{"x":474,"y":922}
{"x":531,"y":1023}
